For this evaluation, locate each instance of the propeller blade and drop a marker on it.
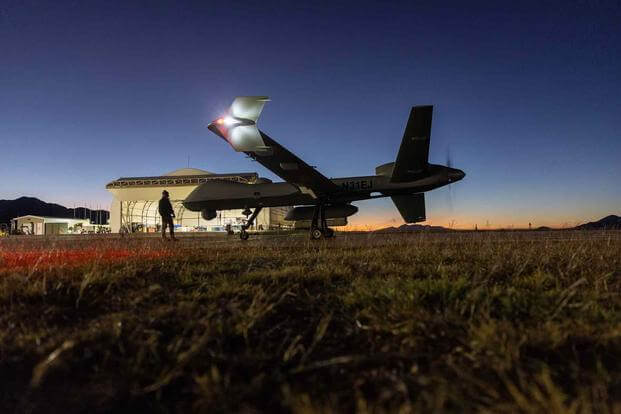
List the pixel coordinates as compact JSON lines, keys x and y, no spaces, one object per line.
{"x":450,"y":197}
{"x":449,"y":163}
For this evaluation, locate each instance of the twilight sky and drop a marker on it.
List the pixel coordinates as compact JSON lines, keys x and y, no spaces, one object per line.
{"x":527,"y":97}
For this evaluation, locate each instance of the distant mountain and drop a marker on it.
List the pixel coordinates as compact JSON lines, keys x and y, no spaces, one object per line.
{"x":607,"y":223}
{"x":404,"y":228}
{"x":23,"y":206}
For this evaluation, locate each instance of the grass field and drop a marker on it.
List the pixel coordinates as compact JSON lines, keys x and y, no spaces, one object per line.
{"x":460,"y":322}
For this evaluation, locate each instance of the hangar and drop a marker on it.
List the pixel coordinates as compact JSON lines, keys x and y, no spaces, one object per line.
{"x":134,"y":207}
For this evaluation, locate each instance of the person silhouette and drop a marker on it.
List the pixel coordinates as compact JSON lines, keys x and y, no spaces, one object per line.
{"x":166,"y":211}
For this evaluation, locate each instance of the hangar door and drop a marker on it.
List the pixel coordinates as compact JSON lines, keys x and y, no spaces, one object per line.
{"x":56,"y":228}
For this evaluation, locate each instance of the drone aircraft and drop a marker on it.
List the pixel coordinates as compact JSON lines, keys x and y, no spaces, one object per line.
{"x":315,"y":196}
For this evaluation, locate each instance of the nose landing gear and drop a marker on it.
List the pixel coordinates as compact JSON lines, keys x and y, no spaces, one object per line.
{"x":243,"y":234}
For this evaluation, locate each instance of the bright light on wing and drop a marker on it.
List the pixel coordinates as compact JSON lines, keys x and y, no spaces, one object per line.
{"x":227,"y":121}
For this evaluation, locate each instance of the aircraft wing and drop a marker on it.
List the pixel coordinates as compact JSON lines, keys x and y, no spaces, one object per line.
{"x":292,"y":169}
{"x":239,"y":129}
{"x":414,"y":151}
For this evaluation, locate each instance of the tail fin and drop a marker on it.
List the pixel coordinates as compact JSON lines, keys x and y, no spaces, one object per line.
{"x":239,"y":126}
{"x":248,"y":107}
{"x":414,"y":151}
{"x":411,"y":207}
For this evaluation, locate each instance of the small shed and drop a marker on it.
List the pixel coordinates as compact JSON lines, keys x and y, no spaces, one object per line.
{"x":43,"y":225}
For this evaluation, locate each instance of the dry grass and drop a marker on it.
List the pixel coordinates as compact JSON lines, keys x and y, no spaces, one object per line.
{"x":497,"y":322}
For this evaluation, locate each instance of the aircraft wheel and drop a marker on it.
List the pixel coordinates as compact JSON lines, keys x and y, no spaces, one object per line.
{"x":243,"y":235}
{"x":316,"y":234}
{"x":328,"y":233}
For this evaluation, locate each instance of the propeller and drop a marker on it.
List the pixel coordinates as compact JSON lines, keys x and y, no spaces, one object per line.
{"x":449,"y":163}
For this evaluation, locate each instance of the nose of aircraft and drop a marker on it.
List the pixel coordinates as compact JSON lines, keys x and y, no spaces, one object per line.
{"x":456,"y":175}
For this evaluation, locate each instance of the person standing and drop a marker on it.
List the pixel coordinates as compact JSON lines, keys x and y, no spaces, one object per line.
{"x":166,"y":211}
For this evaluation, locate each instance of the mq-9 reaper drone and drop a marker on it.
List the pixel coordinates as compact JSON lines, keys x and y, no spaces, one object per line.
{"x":316,"y":197}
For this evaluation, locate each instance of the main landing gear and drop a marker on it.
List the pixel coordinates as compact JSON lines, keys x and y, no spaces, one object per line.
{"x":243,"y":234}
{"x":319,"y":227}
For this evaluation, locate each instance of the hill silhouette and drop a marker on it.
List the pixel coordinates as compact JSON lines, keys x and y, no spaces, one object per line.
{"x":611,"y":222}
{"x":411,"y":228}
{"x":22,"y":206}
{"x":607,"y":223}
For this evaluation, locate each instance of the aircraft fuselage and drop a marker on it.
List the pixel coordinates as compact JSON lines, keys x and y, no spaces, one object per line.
{"x":219,"y":195}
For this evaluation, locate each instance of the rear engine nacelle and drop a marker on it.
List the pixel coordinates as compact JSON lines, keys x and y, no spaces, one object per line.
{"x":331,"y":212}
{"x":209,"y":214}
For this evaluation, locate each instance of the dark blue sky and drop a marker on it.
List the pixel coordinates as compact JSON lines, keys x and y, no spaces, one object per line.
{"x":526,"y":95}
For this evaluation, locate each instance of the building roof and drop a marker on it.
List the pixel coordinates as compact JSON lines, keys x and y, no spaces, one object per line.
{"x":178,"y":177}
{"x":28,"y":216}
{"x":187,"y":172}
{"x":48,"y":217}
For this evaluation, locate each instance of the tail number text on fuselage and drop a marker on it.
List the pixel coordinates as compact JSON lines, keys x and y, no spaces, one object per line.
{"x":357,"y":185}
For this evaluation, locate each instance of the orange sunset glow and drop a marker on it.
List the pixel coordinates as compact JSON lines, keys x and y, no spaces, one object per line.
{"x":362,"y":222}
